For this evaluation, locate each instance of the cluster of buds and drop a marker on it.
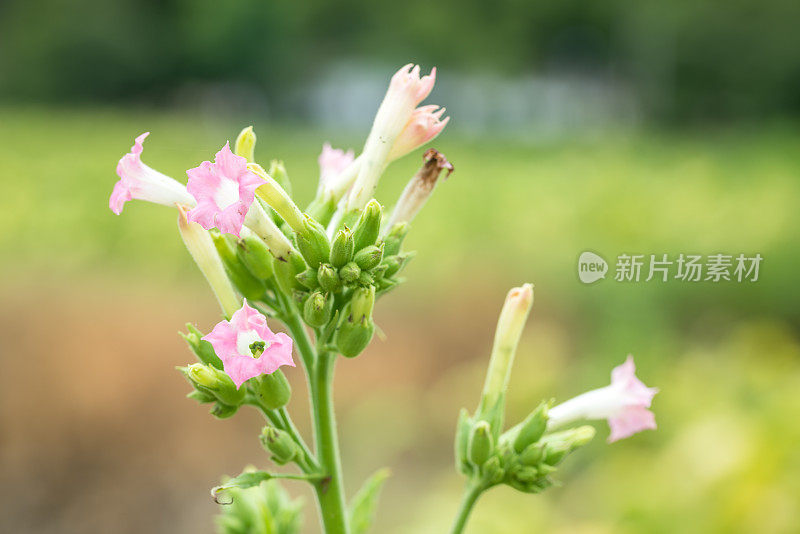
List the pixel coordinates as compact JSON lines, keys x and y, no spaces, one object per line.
{"x":526,"y":455}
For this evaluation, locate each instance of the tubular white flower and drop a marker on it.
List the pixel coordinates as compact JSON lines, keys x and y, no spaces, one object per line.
{"x":406,"y":90}
{"x":625,"y":404}
{"x":199,"y":244}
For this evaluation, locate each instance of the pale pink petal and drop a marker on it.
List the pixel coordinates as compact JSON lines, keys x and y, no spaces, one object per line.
{"x":632,"y":420}
{"x":138,"y":181}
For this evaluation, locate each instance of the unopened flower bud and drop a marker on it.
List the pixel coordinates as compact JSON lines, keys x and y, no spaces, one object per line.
{"x":247,"y":284}
{"x":526,"y":473}
{"x":318,"y":309}
{"x":365,"y":279}
{"x":212,"y":380}
{"x":278,"y":172}
{"x":255,"y":255}
{"x":201,"y":247}
{"x":349,"y":273}
{"x":480,"y":444}
{"x":394,"y":264}
{"x":369,"y":257}
{"x":328,"y":278}
{"x":368,"y":226}
{"x":356,"y":328}
{"x":246,"y":144}
{"x":274,"y":390}
{"x":493,"y":472}
{"x":532,"y":428}
{"x":342,"y":248}
{"x":223,"y":411}
{"x":201,"y":348}
{"x":463,"y":431}
{"x":278,"y":199}
{"x":559,"y":444}
{"x":279,"y":444}
{"x":532,"y":455}
{"x":203,"y":397}
{"x":286,"y":273}
{"x":308,"y":278}
{"x":509,"y":330}
{"x":394,"y":238}
{"x":312,"y":241}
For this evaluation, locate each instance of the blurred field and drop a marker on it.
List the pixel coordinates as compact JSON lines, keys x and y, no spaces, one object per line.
{"x":95,"y":435}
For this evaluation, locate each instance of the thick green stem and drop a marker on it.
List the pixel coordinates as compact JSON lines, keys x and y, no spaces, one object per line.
{"x":330,"y":494}
{"x":471,"y":494}
{"x":319,"y":367}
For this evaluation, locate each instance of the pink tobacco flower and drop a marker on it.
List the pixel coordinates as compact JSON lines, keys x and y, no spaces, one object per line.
{"x":137,"y":180}
{"x":406,"y":83}
{"x":625,"y":404}
{"x":247,"y":347}
{"x":425,"y":124}
{"x":224,"y":191}
{"x":332,"y":161}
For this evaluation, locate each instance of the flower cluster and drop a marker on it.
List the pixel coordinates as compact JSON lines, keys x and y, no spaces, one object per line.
{"x":319,"y":272}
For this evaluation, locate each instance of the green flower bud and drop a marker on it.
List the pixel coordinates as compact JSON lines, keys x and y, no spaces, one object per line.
{"x":201,"y":348}
{"x":526,"y":473}
{"x":274,"y":390}
{"x":286,"y":273}
{"x":463,"y":431}
{"x":395,"y":263}
{"x":278,"y":172}
{"x":247,"y":284}
{"x":223,"y":411}
{"x":246,"y":144}
{"x":342,"y":248}
{"x":365,"y":279}
{"x":350,"y":273}
{"x":394,"y":239}
{"x":368,"y":226}
{"x":328,"y":278}
{"x":312,"y":241}
{"x":559,"y":444}
{"x":493,"y":472}
{"x":203,"y":397}
{"x":214,"y":381}
{"x":279,"y":444}
{"x":356,"y":327}
{"x":308,"y":278}
{"x":318,"y":309}
{"x":386,"y":284}
{"x":532,"y":455}
{"x":255,"y":255}
{"x":481,"y":444}
{"x":532,"y":428}
{"x":369,"y":257}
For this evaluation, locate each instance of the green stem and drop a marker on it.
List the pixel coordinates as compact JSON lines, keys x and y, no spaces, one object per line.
{"x":330,"y":494}
{"x":288,"y":426}
{"x":471,"y":494}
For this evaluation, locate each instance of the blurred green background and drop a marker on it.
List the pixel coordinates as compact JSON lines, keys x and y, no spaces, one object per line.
{"x":618,"y":127}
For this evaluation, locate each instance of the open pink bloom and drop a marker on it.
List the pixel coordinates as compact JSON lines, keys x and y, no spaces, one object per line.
{"x":224,"y":191}
{"x":247,"y":347}
{"x":137,"y":180}
{"x":625,"y":404}
{"x":332,"y":161}
{"x":425,"y":124}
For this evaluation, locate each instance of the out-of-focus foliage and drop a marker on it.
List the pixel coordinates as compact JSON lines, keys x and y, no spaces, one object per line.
{"x":263,"y":509}
{"x":702,"y":59}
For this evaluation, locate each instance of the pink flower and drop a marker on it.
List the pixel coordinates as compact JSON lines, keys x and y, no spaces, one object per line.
{"x":137,"y":180}
{"x":332,"y":161}
{"x":406,"y":83}
{"x":625,"y":404}
{"x":224,"y":191}
{"x":247,"y":347}
{"x":406,"y":90}
{"x":425,"y":124}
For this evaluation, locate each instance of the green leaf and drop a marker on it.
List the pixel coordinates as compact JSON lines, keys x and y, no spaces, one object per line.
{"x":365,"y":502}
{"x":245,"y":480}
